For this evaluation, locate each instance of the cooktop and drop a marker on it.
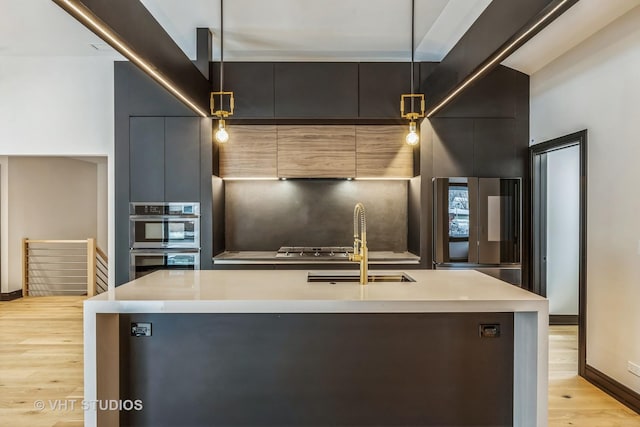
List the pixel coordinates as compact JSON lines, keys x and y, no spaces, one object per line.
{"x":315,"y":252}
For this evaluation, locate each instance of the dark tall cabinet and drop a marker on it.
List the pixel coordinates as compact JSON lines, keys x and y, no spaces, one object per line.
{"x":146,"y":159}
{"x":164,"y":159}
{"x":182,"y":159}
{"x":163,"y":153}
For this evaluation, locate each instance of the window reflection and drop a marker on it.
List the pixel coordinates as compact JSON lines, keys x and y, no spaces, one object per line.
{"x":459,"y":211}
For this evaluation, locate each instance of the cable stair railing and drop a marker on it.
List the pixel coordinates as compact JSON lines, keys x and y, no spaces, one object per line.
{"x":63,"y":267}
{"x":102,"y":271}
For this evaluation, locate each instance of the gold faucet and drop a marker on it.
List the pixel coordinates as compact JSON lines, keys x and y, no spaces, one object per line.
{"x":360,"y":250}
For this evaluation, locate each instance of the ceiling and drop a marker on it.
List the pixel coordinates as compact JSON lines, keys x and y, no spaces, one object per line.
{"x":42,"y":28}
{"x":328,"y":30}
{"x":574,"y":26}
{"x":260,"y":30}
{"x":304,"y":30}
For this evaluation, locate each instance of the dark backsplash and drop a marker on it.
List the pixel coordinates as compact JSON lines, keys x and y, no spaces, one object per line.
{"x":265,"y":215}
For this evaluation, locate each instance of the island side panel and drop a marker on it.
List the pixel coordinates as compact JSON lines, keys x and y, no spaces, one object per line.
{"x":318,"y":369}
{"x":531,"y":368}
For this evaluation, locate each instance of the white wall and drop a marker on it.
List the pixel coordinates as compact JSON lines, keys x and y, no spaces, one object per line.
{"x":4,"y":223}
{"x":563,"y":230}
{"x":596,"y":86}
{"x":102,"y":193}
{"x":59,"y":106}
{"x":49,"y":198}
{"x":56,"y":105}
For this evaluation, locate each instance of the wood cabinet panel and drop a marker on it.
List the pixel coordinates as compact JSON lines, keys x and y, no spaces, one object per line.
{"x":250,"y":152}
{"x":316,"y":151}
{"x":381,"y":151}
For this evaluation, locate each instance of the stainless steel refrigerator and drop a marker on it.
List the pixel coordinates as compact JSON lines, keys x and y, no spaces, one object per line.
{"x":476,"y":222}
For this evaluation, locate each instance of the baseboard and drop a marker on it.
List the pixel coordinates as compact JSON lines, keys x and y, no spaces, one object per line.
{"x":613,"y":388}
{"x":10,"y":296}
{"x":563,"y":319}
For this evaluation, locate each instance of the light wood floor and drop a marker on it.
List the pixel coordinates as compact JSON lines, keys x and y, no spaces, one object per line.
{"x":572,"y":400}
{"x":41,"y":359}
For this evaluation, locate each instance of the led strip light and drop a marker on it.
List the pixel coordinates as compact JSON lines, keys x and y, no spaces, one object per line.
{"x":498,"y":57}
{"x":113,"y":40}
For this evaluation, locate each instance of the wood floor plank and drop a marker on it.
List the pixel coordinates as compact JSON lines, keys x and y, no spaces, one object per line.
{"x":572,"y":400}
{"x":41,"y":357}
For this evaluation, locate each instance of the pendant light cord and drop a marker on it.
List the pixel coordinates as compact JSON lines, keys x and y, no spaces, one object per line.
{"x":413,"y":5}
{"x":221,"y":52}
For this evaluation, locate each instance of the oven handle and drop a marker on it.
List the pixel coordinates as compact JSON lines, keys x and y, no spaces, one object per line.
{"x":163,"y":217}
{"x":146,"y":252}
{"x":195,"y":206}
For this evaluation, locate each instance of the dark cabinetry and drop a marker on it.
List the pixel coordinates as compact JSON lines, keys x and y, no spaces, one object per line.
{"x":381,"y":84}
{"x":146,"y":159}
{"x":495,"y":96}
{"x":306,"y":91}
{"x":182,"y":159}
{"x":475,"y":147}
{"x":164,"y":159}
{"x":323,"y":89}
{"x":427,"y":369}
{"x":252,"y":86}
{"x":495,"y":148}
{"x":162,"y":153}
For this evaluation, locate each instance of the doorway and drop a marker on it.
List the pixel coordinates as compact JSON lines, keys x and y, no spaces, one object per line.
{"x":558,"y":243}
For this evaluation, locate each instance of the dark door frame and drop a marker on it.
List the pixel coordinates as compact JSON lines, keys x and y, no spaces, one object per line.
{"x":579,"y":139}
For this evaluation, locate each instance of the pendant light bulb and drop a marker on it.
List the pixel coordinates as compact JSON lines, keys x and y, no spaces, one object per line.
{"x":221,"y":134}
{"x":412,"y":137}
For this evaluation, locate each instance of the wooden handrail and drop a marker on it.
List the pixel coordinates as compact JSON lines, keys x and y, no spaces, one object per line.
{"x":92,"y":251}
{"x":55,"y":241}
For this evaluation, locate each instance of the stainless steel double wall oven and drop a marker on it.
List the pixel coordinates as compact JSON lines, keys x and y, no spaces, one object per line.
{"x":163,"y":236}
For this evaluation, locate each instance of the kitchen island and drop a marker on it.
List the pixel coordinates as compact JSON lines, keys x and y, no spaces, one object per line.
{"x":269,"y":348}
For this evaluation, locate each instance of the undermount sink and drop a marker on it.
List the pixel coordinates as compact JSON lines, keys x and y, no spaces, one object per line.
{"x":333,"y":277}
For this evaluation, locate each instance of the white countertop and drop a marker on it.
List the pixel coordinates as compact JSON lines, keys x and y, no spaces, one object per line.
{"x":288,"y":291}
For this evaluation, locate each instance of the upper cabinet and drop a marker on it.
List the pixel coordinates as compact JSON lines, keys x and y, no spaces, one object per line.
{"x":380,"y":87}
{"x":251,"y":152}
{"x":313,"y":92}
{"x":316,"y":89}
{"x":381,"y":152}
{"x":316,"y":151}
{"x":252,"y":86}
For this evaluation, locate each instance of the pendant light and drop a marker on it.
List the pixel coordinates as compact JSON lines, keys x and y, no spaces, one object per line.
{"x":412,"y":137}
{"x":221,"y":135}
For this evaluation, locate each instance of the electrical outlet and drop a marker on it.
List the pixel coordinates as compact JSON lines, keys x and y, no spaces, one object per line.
{"x":140,"y":329}
{"x":633,"y":368}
